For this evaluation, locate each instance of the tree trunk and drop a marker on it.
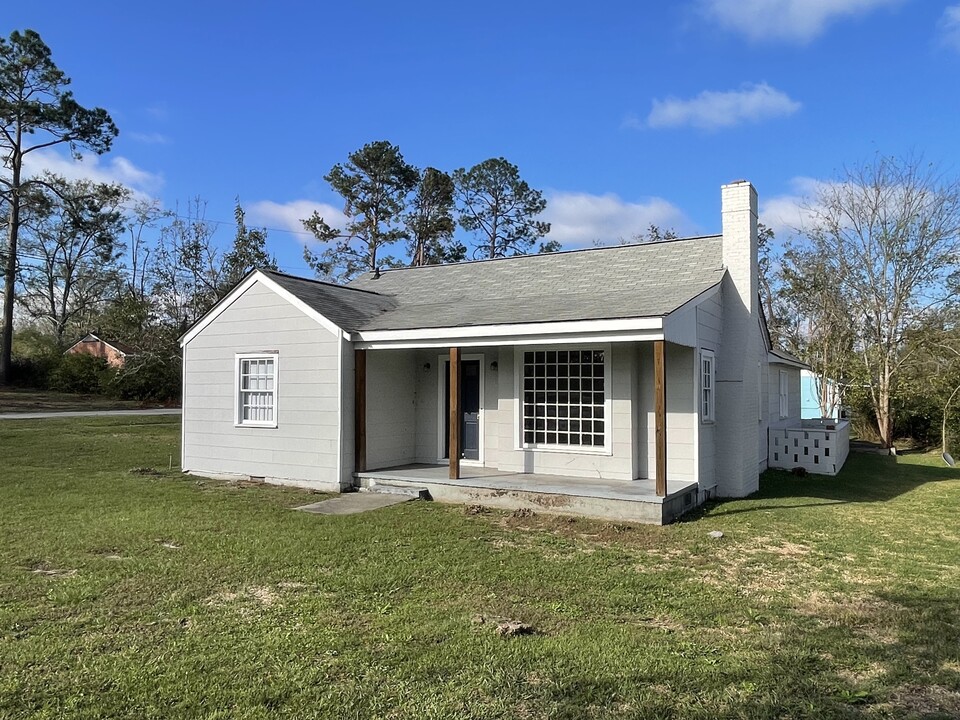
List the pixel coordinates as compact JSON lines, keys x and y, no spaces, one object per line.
{"x":10,"y":280}
{"x":885,"y":415}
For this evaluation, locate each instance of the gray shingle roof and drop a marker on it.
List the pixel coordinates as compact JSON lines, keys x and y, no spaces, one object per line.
{"x":348,"y":308}
{"x":626,"y":281}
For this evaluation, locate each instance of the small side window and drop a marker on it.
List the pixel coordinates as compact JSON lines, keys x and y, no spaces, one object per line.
{"x":784,"y":394}
{"x":707,"y":392}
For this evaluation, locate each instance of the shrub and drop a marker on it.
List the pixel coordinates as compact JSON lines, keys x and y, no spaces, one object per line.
{"x":147,"y":377}
{"x":80,"y":374}
{"x":33,"y":372}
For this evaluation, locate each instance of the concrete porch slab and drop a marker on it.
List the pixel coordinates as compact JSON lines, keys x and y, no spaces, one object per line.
{"x":634,"y":501}
{"x":353,"y":503}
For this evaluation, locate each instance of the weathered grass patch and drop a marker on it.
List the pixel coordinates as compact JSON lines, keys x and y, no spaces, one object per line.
{"x":127,"y":590}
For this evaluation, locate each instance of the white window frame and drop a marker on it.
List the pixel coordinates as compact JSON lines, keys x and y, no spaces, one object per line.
{"x":607,"y":447}
{"x":708,"y":389}
{"x":238,"y":420}
{"x":784,"y":394}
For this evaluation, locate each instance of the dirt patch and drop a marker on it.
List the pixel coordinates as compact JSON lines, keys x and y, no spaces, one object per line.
{"x":52,"y":572}
{"x":861,"y":675}
{"x":920,"y":700}
{"x":292,"y":585}
{"x":258,"y":595}
{"x":853,"y":608}
{"x":872,"y":617}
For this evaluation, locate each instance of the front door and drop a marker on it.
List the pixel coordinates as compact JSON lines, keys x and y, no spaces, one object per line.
{"x":469,"y":406}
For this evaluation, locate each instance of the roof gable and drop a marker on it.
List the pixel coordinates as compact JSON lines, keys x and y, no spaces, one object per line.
{"x":335,"y":307}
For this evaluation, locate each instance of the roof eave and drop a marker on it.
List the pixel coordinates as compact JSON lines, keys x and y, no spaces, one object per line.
{"x":620,"y":329}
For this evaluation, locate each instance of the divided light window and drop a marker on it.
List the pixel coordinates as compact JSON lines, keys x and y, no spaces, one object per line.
{"x":257,"y":390}
{"x":563,"y":398}
{"x":784,"y":394}
{"x":707,"y":392}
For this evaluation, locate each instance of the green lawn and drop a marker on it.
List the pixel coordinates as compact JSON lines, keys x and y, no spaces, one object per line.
{"x":151,"y":595}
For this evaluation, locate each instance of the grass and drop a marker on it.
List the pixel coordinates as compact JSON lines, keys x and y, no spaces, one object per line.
{"x":128,"y":590}
{"x":21,"y":400}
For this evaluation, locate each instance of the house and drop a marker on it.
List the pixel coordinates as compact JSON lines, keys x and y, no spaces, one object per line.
{"x":810,"y":387}
{"x":113,"y":351}
{"x":629,"y":382}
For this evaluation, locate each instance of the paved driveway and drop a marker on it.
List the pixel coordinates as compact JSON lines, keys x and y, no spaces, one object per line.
{"x":87,"y":413}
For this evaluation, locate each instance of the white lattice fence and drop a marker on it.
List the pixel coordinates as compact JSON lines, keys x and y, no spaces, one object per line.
{"x":820,"y":447}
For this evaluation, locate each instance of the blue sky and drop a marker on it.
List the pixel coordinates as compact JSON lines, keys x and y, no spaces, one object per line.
{"x":623,"y":113}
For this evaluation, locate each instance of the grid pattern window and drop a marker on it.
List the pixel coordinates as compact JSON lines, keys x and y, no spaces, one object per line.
{"x":707,"y":392}
{"x":257,"y":400}
{"x":563,"y":398}
{"x":784,"y":394}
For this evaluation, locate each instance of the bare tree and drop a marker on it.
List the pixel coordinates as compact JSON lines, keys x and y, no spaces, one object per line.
{"x":141,"y":222}
{"x":70,"y":246}
{"x":887,"y":236}
{"x":821,"y":330}
{"x":188,"y":270}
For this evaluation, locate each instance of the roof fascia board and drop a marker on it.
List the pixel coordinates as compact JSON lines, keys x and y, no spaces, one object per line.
{"x":245,"y":285}
{"x":494,"y":340}
{"x":775,"y":359}
{"x":98,"y":339}
{"x":525,"y":330}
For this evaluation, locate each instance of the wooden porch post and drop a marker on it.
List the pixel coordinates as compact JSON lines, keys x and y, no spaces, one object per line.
{"x":660,"y":411}
{"x":456,"y":414}
{"x":360,"y":410}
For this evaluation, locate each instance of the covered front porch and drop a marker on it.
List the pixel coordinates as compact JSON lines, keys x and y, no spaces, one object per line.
{"x":491,"y":425}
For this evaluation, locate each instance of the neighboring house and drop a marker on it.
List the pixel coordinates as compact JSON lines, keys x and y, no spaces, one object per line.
{"x":627,"y":382}
{"x":113,"y":351}
{"x":810,"y":396}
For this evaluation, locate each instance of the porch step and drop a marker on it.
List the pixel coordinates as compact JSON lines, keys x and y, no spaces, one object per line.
{"x":386,"y":488}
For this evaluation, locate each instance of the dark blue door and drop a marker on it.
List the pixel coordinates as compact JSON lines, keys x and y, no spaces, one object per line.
{"x":469,"y":406}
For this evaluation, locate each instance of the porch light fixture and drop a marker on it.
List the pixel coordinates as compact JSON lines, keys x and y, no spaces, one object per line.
{"x":494,"y":366}
{"x":426,"y":367}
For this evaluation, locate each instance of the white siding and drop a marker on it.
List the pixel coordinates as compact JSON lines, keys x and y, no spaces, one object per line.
{"x":304,"y":447}
{"x":348,"y":447}
{"x":428,"y":405}
{"x":709,"y":327}
{"x":391,"y":408}
{"x":681,"y":413}
{"x":773,"y":396}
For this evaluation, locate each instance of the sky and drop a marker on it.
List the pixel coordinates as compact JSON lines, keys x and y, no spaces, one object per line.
{"x":623,"y":113}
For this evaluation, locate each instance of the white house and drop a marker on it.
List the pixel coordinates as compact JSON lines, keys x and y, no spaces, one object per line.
{"x":626,"y":382}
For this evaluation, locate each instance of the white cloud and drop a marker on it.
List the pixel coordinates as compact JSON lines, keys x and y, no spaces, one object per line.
{"x":712,"y":110}
{"x":950,"y":27}
{"x":578,"y":219}
{"x":790,"y":212}
{"x":113,"y":169}
{"x":290,"y":215}
{"x":797,"y":21}
{"x":153,"y":138}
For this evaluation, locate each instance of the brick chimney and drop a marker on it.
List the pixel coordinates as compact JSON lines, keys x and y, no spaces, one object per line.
{"x":738,"y":368}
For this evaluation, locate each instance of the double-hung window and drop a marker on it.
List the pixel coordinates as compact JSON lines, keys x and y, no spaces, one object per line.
{"x":257,"y":390}
{"x":707,"y":390}
{"x":784,"y":394}
{"x":564,"y":394}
